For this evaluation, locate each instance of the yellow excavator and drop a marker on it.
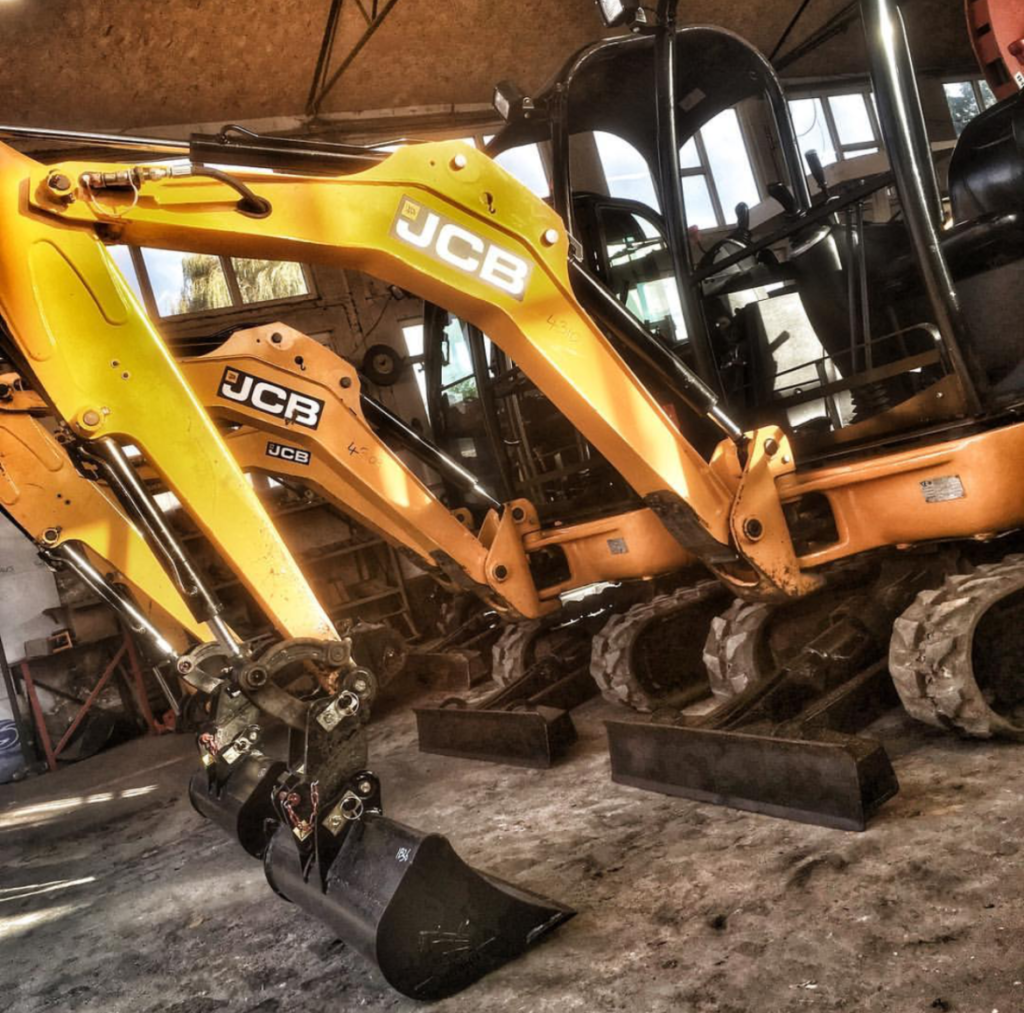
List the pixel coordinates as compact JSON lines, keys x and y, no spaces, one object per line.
{"x":446,"y":223}
{"x":248,"y":385}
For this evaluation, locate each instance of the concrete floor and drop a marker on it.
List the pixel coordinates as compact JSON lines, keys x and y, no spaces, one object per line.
{"x":115,"y":896}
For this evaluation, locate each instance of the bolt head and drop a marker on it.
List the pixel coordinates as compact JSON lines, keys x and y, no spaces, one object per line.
{"x":365,"y":787}
{"x":346,"y":382}
{"x":500,"y":572}
{"x":359,"y":685}
{"x":771,"y":447}
{"x":59,"y":182}
{"x":91,"y":417}
{"x":550,"y":237}
{"x":459,"y":162}
{"x":256,"y":677}
{"x":753,"y":528}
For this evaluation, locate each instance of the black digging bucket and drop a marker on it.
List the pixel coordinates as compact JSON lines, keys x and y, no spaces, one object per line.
{"x":243,"y":803}
{"x":407,"y":902}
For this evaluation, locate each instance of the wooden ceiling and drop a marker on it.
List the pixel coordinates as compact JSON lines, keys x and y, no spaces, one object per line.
{"x":128,"y":64}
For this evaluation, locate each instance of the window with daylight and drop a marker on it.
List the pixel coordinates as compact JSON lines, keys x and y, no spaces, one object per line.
{"x":171,"y":283}
{"x":526,"y":164}
{"x":837,"y":126}
{"x":716,"y":168}
{"x":966,"y":99}
{"x":412,"y":331}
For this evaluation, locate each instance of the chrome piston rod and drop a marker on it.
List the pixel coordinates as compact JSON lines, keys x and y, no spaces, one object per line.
{"x":121,"y":473}
{"x":76,"y":560}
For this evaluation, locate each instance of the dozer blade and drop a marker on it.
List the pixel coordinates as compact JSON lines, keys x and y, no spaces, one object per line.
{"x":524,"y":738}
{"x":242,"y":804}
{"x":526,"y":724}
{"x":407,"y":902}
{"x":837,"y":781}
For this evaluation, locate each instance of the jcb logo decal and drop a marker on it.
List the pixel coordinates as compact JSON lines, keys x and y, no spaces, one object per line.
{"x":286,"y":453}
{"x":453,"y":244}
{"x":271,"y":398}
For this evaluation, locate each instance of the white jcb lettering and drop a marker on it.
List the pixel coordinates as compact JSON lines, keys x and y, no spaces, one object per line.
{"x":286,"y":453}
{"x":457,"y":246}
{"x":239,"y":393}
{"x":304,"y":410}
{"x":451,"y":232}
{"x":505,"y":271}
{"x":424,"y":237}
{"x":268,"y":397}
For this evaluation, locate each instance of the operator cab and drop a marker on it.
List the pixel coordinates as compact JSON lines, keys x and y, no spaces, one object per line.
{"x":811,"y":311}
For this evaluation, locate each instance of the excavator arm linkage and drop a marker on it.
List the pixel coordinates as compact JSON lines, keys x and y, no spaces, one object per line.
{"x":440,"y":220}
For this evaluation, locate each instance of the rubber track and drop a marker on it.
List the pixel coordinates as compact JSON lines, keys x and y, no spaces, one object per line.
{"x":733,"y":649}
{"x":930,"y":651}
{"x":511,"y":651}
{"x":612,"y":649}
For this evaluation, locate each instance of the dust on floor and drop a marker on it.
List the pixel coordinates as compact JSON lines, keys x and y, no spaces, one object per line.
{"x":115,"y":896}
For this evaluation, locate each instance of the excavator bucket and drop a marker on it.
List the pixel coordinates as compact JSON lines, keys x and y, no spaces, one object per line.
{"x":838,"y":781}
{"x":242,"y":803}
{"x":407,"y":902}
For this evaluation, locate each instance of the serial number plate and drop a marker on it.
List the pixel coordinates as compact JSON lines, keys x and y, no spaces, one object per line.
{"x":940,"y":490}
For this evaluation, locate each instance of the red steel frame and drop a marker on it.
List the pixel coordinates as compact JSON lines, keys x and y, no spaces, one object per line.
{"x":126,"y":652}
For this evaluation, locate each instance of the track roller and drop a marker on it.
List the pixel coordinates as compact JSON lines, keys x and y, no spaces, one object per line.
{"x":955,"y":652}
{"x":645,"y":657}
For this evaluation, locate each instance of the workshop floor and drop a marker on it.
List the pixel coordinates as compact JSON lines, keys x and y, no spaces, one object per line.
{"x":115,"y":896}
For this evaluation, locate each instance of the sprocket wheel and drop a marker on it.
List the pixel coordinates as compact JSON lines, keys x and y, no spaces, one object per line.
{"x":646,"y":657}
{"x":955,"y":652}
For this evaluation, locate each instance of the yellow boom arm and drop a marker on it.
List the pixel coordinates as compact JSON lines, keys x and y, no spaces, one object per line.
{"x":441,"y":220}
{"x":251,"y":379}
{"x":44,"y":494}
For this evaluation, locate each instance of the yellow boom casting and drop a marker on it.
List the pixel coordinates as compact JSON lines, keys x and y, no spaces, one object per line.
{"x":448,"y":224}
{"x":44,"y":494}
{"x":348,"y":463}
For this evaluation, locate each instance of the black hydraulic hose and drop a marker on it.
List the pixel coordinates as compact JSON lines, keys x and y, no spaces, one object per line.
{"x":131,"y":490}
{"x":235,"y":146}
{"x":250,"y":204}
{"x":607,"y":310}
{"x":390,"y":424}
